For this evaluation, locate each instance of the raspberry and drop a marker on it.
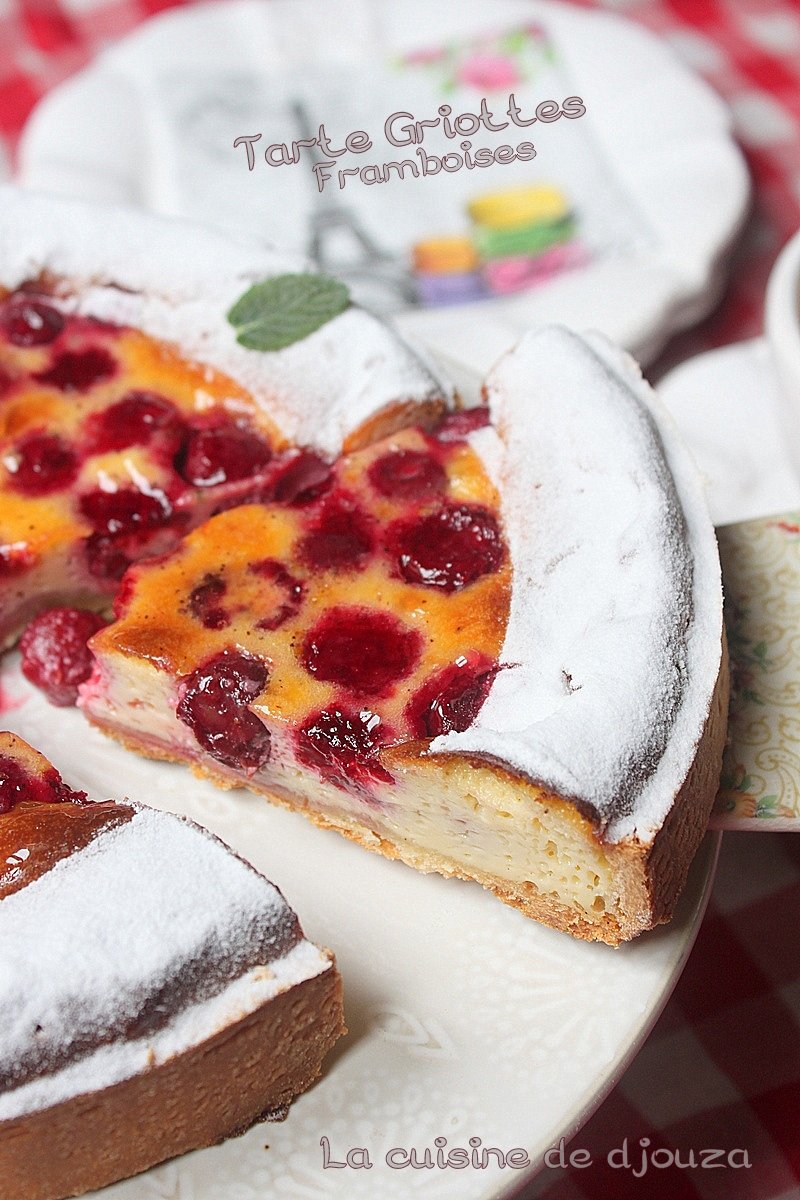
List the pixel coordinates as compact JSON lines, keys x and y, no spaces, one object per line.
{"x":222,"y":454}
{"x":455,"y":427}
{"x":137,"y":418}
{"x":18,"y":786}
{"x":79,"y":370}
{"x":14,"y":559}
{"x":303,"y":477}
{"x":125,"y":511}
{"x":127,"y":524}
{"x":55,"y":656}
{"x":452,"y":698}
{"x":340,"y":538}
{"x":28,"y":322}
{"x":342,"y":746}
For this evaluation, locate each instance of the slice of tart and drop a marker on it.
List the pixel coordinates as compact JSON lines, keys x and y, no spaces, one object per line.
{"x":157,"y":993}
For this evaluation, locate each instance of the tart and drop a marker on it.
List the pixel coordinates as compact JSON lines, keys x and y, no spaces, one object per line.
{"x":174,"y":980}
{"x":487,"y":642}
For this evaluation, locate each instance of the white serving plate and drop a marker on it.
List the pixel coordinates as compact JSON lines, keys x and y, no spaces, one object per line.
{"x":651,"y":168}
{"x":466,"y":1019}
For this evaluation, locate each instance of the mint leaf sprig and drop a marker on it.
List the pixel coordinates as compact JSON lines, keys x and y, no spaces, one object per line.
{"x":283,"y":310}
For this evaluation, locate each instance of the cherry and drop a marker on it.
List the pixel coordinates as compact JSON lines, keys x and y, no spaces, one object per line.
{"x":28,"y":322}
{"x":340,"y":537}
{"x":302,"y":477}
{"x":222,"y":454}
{"x":455,"y":427}
{"x":288,"y":592}
{"x":214,"y":706}
{"x":342,"y":747}
{"x":407,"y":475}
{"x":43,"y":463}
{"x":447,"y":549}
{"x":18,"y":786}
{"x":452,"y":698}
{"x":55,"y":656}
{"x":205,"y":603}
{"x":79,"y":370}
{"x":361,"y":649}
{"x":134,"y":420}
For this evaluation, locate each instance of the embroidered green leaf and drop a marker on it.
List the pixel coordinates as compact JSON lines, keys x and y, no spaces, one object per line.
{"x":285,"y":309}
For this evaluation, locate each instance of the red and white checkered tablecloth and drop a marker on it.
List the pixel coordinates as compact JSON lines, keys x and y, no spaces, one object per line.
{"x":721,"y":1070}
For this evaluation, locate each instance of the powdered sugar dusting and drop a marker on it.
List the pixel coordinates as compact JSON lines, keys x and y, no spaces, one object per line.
{"x":177,"y":281}
{"x":114,"y":924}
{"x":616,"y":611}
{"x":112,"y":1064}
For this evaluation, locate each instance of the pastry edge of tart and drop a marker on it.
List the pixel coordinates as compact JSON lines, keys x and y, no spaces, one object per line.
{"x":268,"y":1057}
{"x":252,"y":902}
{"x":704,"y":649}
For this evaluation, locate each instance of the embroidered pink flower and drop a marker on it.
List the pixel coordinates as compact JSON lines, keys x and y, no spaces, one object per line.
{"x":489,"y":72}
